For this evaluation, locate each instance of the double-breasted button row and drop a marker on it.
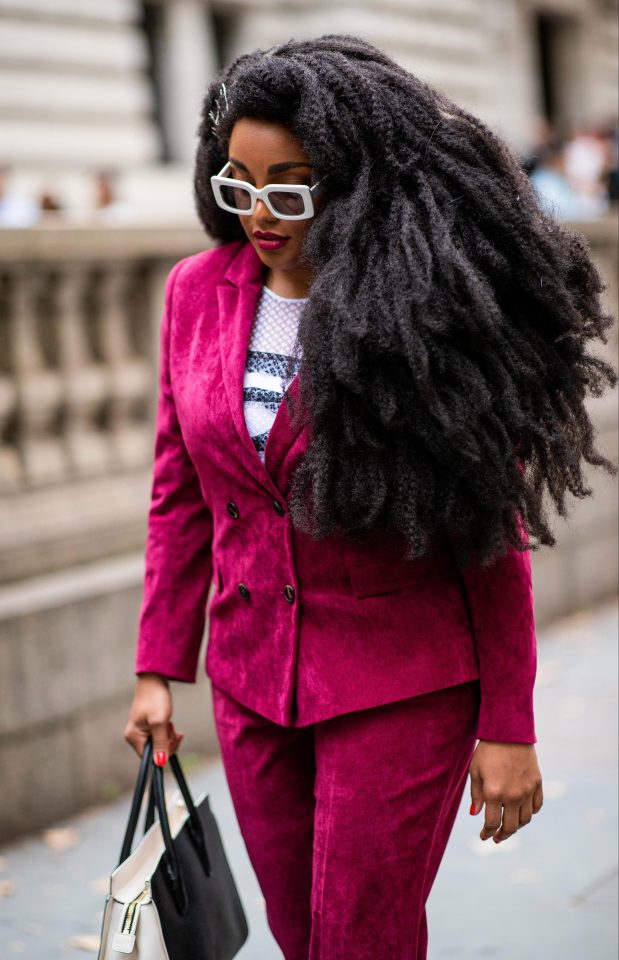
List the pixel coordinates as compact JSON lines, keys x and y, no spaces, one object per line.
{"x":233,"y":510}
{"x":289,"y":592}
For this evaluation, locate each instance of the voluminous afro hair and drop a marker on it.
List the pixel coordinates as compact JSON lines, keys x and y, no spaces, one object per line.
{"x":444,"y":364}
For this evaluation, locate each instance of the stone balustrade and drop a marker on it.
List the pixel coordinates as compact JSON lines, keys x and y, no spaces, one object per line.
{"x":79,"y":317}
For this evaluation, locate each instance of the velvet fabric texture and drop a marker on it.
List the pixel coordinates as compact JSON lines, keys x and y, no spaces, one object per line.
{"x":300,"y":631}
{"x":346,"y":821}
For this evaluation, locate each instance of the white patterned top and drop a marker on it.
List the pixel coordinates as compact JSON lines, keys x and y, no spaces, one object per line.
{"x":272,"y":341}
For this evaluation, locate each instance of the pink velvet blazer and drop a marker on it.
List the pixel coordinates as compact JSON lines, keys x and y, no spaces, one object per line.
{"x":298,"y":630}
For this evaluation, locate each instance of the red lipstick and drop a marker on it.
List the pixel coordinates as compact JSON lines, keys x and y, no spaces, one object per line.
{"x":268,"y":240}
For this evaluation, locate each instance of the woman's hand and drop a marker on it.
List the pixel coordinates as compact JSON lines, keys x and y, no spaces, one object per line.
{"x":505,"y":775}
{"x":151,"y":715}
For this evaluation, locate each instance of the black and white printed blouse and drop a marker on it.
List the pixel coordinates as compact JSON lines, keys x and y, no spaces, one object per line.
{"x":272,"y":341}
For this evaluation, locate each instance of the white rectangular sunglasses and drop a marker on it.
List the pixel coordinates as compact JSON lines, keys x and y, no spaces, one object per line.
{"x":286,"y":201}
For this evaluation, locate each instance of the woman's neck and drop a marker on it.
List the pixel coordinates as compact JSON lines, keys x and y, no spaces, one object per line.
{"x":294,"y":283}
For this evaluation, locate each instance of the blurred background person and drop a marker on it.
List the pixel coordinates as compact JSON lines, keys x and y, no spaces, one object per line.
{"x":109,"y":207}
{"x":566,"y":197}
{"x":586,"y":162}
{"x":16,"y":209}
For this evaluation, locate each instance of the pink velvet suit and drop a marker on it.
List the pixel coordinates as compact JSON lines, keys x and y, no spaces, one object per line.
{"x":349,"y":684}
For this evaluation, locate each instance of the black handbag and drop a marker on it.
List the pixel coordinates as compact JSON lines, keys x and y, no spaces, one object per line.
{"x":174,"y":897}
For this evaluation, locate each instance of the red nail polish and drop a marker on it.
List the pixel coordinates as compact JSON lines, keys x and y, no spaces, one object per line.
{"x":161,"y":758}
{"x":472,"y":810}
{"x":496,"y":840}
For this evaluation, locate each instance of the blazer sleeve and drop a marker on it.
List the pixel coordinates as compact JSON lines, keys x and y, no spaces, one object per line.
{"x":178,"y":557}
{"x":500,"y":599}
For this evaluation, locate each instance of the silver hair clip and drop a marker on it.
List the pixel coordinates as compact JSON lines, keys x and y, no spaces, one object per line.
{"x":221,"y":111}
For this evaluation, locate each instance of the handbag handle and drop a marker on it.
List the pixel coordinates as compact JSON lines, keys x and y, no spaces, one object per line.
{"x":172,"y":872}
{"x":169,"y":858}
{"x":136,"y":803}
{"x":193,"y":825}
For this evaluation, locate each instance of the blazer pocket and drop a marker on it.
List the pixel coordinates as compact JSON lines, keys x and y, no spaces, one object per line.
{"x":382,"y":574}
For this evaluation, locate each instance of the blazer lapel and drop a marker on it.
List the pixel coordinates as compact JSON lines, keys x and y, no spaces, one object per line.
{"x":237,"y":295}
{"x":281,"y":438}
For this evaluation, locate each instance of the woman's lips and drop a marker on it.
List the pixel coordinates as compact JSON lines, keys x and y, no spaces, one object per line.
{"x":270,"y":243}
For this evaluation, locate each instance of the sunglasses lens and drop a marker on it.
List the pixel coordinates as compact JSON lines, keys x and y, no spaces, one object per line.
{"x":290,"y":204}
{"x":237,"y":197}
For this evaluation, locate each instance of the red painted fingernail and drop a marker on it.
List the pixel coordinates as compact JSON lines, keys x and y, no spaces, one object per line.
{"x":472,"y":810}
{"x":496,"y":839}
{"x":161,"y":758}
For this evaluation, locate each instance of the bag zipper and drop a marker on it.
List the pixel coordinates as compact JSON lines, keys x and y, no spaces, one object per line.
{"x":124,"y":938}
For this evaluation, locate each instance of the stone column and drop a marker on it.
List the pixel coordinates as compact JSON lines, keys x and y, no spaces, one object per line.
{"x":188,"y":61}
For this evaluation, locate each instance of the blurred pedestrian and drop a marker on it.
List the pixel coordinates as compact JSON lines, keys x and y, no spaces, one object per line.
{"x":585,"y":158}
{"x":49,"y":202}
{"x":108,"y":205}
{"x":16,"y":209}
{"x":559,"y":194}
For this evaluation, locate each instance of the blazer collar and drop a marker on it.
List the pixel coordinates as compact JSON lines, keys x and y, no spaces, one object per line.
{"x":237,"y":294}
{"x":245,"y":266}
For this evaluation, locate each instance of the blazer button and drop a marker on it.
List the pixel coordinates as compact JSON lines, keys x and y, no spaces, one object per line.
{"x":244,"y":591}
{"x":278,"y":507}
{"x":289,"y":593}
{"x":232,"y":509}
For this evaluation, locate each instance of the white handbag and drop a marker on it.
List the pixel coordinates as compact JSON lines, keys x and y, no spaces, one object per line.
{"x":131,"y":923}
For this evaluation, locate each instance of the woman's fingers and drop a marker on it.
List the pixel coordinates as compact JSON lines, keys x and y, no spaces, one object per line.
{"x":161,"y":743}
{"x":526,"y":812}
{"x":149,"y":716}
{"x":477,"y":791}
{"x":503,"y":820}
{"x":505,"y":777}
{"x":492,"y":818}
{"x":510,"y":821}
{"x":137,"y":739}
{"x":538,"y":798}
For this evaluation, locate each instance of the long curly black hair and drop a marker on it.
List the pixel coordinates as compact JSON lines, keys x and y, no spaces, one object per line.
{"x":444,"y":364}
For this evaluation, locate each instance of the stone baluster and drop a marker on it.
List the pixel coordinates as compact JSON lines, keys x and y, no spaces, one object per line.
{"x":11,"y":473}
{"x":85,"y":379}
{"x":38,"y":381}
{"x":129,"y":375}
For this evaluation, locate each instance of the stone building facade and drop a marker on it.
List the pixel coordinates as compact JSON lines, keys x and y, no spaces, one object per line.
{"x":85,"y":84}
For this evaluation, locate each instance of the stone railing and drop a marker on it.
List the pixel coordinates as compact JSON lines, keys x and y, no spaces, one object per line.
{"x":79,"y":319}
{"x":80,"y":312}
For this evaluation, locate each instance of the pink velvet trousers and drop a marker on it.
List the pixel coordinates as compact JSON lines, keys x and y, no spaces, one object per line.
{"x":346,"y":821}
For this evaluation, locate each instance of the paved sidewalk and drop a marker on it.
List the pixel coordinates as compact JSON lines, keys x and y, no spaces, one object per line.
{"x":548,"y":893}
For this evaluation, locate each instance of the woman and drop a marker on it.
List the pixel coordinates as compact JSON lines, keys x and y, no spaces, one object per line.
{"x":424,"y":324}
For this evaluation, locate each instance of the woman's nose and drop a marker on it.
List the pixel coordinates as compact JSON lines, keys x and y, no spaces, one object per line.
{"x":262,"y":212}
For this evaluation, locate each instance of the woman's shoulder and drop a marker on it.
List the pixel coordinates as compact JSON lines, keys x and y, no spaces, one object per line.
{"x":201,"y":269}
